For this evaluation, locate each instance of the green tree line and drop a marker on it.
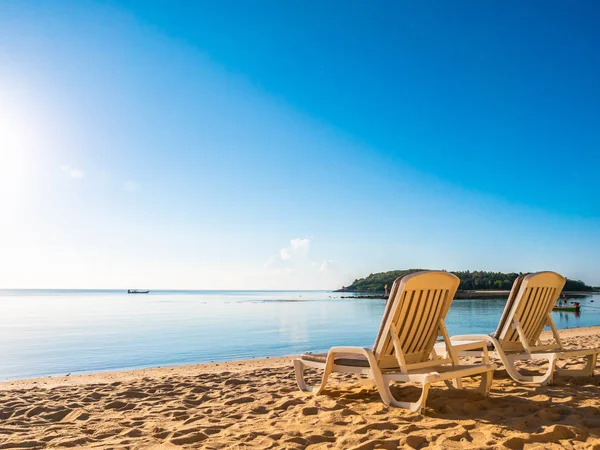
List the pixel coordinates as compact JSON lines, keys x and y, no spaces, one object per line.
{"x":469,"y":280}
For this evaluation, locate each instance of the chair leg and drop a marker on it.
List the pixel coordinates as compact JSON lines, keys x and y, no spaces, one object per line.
{"x":455,"y":383}
{"x":299,"y":371}
{"x":588,"y":370}
{"x":546,"y":378}
{"x":486,"y":382}
{"x":484,"y":386}
{"x":383,"y":386}
{"x":449,"y":384}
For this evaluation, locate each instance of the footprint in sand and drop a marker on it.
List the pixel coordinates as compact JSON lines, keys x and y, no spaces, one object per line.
{"x":416,"y":441}
{"x":56,"y":416}
{"x":237,"y":401}
{"x":187,"y":439}
{"x":376,"y":426}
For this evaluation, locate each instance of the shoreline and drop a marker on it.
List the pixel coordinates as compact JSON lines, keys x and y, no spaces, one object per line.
{"x":234,"y":366}
{"x":464,"y":295}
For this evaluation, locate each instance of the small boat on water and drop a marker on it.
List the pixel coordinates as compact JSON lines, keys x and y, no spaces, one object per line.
{"x":576,"y":307}
{"x":136,"y":291}
{"x":566,"y":308}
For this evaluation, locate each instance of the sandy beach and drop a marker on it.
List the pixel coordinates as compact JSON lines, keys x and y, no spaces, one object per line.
{"x":256,"y":404}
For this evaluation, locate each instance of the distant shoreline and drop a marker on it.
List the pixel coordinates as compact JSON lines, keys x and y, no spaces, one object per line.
{"x":465,"y":295}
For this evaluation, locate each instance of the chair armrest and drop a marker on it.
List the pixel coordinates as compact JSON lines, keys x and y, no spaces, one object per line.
{"x":472,"y":337}
{"x":358,"y":350}
{"x":472,"y":344}
{"x":366,"y":352}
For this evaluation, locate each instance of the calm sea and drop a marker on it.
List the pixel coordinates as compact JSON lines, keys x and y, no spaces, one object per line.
{"x":55,"y":332}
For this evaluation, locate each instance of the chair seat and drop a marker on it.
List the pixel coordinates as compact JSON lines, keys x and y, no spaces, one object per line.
{"x":343,"y":359}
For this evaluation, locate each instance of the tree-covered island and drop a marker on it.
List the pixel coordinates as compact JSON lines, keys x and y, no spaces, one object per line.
{"x":469,"y":281}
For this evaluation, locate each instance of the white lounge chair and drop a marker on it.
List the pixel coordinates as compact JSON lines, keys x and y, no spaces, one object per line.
{"x":404,"y":348}
{"x":517,"y":337}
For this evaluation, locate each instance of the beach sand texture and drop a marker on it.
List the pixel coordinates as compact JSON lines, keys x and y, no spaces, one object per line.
{"x":256,"y":404}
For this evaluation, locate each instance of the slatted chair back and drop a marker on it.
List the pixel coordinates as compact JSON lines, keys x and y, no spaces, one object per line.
{"x":530,"y":311}
{"x":512,"y":297}
{"x":414,"y":318}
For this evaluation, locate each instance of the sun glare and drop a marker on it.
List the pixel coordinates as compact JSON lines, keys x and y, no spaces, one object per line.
{"x":20,"y":131}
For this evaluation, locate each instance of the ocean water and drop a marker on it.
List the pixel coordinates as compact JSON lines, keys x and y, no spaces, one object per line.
{"x":52,"y":332}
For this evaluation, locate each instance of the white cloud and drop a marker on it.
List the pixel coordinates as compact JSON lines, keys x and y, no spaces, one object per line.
{"x":325,"y":265}
{"x":132,"y":186}
{"x":290,"y":257}
{"x":300,"y":244}
{"x":293,"y":268}
{"x":72,"y":172}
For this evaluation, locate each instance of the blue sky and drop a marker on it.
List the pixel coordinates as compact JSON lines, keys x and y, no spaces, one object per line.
{"x":266,"y":145}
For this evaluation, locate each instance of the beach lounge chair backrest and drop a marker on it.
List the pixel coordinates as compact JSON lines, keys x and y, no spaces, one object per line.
{"x":413,"y":318}
{"x":512,"y":297}
{"x":530,"y":310}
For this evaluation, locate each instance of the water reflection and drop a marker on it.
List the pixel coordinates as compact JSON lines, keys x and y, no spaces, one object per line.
{"x":52,"y":332}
